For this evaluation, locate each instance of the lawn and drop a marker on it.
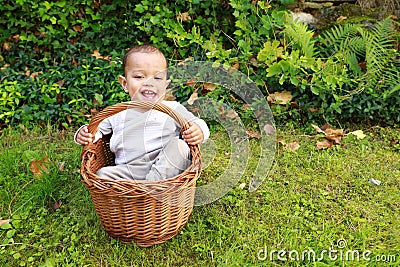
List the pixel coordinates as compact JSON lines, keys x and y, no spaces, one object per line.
{"x":335,"y":206}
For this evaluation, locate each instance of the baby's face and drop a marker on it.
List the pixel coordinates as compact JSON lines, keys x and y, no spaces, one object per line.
{"x":146,"y":77}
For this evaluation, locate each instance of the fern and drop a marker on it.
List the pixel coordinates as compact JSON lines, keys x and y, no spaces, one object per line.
{"x":353,"y":44}
{"x":300,"y":38}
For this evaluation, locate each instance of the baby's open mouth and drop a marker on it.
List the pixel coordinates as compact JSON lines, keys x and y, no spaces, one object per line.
{"x":149,"y":95}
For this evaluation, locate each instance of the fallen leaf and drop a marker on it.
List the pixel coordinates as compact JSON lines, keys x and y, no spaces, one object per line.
{"x":269,"y":129}
{"x":242,"y":186}
{"x":33,"y":75}
{"x":232,"y":114}
{"x":182,"y":62}
{"x":38,"y":167}
{"x":330,"y":133}
{"x":324,"y":144}
{"x":191,"y":82}
{"x":235,"y":66}
{"x":74,"y":62}
{"x":253,"y":134}
{"x":56,"y":205}
{"x":6,"y":46}
{"x":281,"y":98}
{"x":209,"y":86}
{"x":319,"y":130}
{"x":192,"y":98}
{"x":97,"y":55}
{"x":293,"y":146}
{"x":341,"y":18}
{"x":169,"y":96}
{"x":334,"y":135}
{"x":60,"y":83}
{"x":77,"y":28}
{"x":359,"y":134}
{"x":184,"y":16}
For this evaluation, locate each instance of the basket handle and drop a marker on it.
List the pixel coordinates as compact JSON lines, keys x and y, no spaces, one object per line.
{"x":112,"y":110}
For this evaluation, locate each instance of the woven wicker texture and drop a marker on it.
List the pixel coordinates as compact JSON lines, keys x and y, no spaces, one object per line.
{"x":146,"y":212}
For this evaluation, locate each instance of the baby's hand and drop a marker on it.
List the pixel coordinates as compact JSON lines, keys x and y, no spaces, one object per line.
{"x":84,"y":137}
{"x":194,"y":135}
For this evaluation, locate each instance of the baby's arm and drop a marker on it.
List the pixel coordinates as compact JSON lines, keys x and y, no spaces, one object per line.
{"x":82,"y":136}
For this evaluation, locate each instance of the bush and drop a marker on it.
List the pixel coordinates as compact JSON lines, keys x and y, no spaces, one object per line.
{"x":61,"y":58}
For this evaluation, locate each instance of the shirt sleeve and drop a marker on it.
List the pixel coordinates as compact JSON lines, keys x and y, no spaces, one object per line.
{"x":190,"y":117}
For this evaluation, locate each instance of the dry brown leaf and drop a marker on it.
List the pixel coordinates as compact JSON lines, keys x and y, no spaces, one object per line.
{"x":97,"y":55}
{"x":341,"y":18}
{"x":235,"y":66}
{"x":183,"y":16}
{"x":33,"y":75}
{"x":232,"y":114}
{"x":292,"y":146}
{"x":182,"y":62}
{"x":38,"y":167}
{"x":319,"y":130}
{"x":169,"y":96}
{"x":192,"y":98}
{"x":3,"y":221}
{"x":281,"y":98}
{"x":209,"y":86}
{"x":6,"y":46}
{"x":324,"y":144}
{"x":74,"y":62}
{"x":77,"y":28}
{"x":253,"y":134}
{"x":56,"y":205}
{"x":191,"y":82}
{"x":60,"y":83}
{"x":313,"y":109}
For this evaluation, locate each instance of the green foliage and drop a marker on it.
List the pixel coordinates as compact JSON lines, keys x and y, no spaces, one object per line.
{"x":60,"y":59}
{"x":361,"y":70}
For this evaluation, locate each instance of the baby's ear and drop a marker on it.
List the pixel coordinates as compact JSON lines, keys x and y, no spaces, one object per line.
{"x":122,"y":81}
{"x":167,"y":82}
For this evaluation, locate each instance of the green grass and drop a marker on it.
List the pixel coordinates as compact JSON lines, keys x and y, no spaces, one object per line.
{"x":310,"y":200}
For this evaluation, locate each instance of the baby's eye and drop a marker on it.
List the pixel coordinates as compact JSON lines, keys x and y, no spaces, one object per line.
{"x":158,"y":78}
{"x":138,"y":76}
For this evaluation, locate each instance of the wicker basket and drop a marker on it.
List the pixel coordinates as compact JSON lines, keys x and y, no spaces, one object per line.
{"x":146,"y":212}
